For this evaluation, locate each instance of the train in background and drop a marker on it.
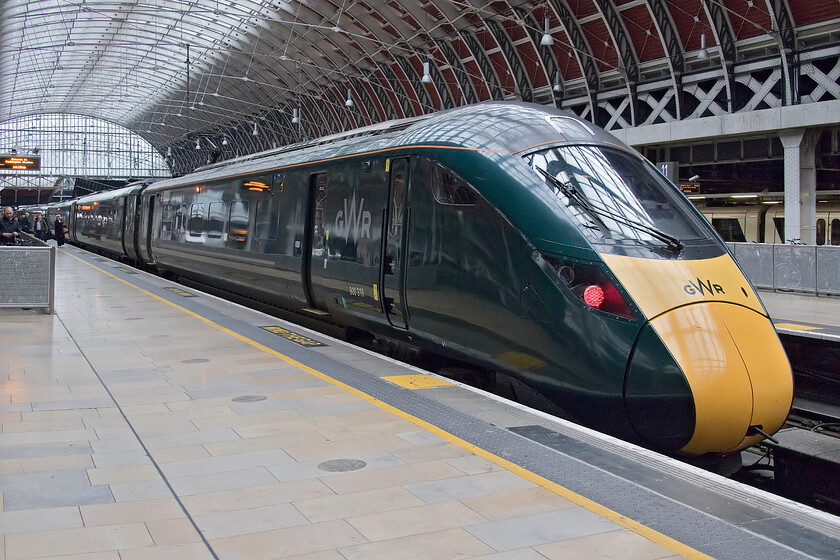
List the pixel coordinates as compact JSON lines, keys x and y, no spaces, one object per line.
{"x":514,"y":239}
{"x":765,"y":223}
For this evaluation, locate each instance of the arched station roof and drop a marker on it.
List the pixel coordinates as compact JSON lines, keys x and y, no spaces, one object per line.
{"x":230,"y":76}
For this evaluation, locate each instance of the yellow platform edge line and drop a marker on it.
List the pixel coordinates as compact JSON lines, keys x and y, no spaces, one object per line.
{"x":634,"y":526}
{"x":796,"y":327}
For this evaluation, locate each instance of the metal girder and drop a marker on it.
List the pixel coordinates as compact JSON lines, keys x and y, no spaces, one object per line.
{"x":671,"y":42}
{"x":725,"y":38}
{"x":629,"y":63}
{"x":342,"y":116}
{"x":487,"y":71}
{"x":397,"y":87}
{"x":442,"y":88}
{"x":464,"y":82}
{"x":382,"y":96}
{"x":582,"y":51}
{"x":549,"y":67}
{"x":414,"y":80}
{"x":373,"y":113}
{"x":784,"y":35}
{"x":523,"y":84}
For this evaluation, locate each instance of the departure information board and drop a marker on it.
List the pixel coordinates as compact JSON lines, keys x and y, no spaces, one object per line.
{"x":14,"y":162}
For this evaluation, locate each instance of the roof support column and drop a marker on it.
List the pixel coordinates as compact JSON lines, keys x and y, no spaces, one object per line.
{"x":800,"y":177}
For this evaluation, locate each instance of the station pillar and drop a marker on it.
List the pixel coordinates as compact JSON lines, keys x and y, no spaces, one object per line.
{"x":800,"y":178}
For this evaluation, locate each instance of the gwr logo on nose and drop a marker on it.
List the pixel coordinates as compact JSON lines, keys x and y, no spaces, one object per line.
{"x":703,"y":288}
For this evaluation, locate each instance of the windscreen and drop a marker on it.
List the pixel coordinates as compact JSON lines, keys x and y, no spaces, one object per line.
{"x":615,"y":196}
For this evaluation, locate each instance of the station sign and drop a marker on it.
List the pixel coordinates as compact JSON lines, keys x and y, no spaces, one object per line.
{"x":690,"y":188}
{"x":15,"y":162}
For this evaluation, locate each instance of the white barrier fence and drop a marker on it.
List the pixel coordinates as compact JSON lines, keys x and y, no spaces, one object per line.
{"x":812,"y":269}
{"x":27,"y":276}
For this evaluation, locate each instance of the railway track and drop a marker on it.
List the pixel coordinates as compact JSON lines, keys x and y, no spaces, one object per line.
{"x":802,"y":462}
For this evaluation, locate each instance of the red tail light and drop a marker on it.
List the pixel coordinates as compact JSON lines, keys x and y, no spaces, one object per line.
{"x":592,"y":286}
{"x":593,"y":295}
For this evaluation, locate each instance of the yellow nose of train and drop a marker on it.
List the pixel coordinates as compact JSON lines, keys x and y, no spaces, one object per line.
{"x":708,"y":344}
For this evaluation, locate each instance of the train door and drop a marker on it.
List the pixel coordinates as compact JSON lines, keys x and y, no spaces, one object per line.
{"x":129,"y":225}
{"x":392,"y":275}
{"x":315,"y":257}
{"x":149,"y":230}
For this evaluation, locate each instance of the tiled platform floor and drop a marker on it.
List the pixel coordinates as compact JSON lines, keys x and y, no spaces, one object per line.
{"x":123,"y":439}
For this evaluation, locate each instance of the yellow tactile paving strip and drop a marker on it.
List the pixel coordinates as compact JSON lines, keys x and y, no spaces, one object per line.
{"x":418,"y":381}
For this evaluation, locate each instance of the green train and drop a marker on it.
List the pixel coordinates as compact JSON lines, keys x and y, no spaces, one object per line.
{"x":514,"y":238}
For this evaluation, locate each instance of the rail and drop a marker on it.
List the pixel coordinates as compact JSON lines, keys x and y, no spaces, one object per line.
{"x":811,"y":269}
{"x":27,"y":274}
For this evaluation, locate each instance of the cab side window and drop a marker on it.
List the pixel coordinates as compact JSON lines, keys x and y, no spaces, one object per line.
{"x":450,"y":190}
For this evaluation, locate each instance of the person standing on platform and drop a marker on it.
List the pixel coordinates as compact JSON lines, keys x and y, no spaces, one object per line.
{"x":60,"y":229}
{"x":9,"y":227}
{"x":40,"y":227}
{"x":25,"y":224}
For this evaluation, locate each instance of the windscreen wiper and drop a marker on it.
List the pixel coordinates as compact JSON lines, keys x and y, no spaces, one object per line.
{"x":572,"y":194}
{"x":671,"y":242}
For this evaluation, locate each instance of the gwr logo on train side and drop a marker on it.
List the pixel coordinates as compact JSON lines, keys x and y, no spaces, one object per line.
{"x":703,"y":288}
{"x":353,"y":221}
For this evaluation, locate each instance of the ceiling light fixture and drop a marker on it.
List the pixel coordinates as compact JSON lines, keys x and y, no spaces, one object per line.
{"x":197,"y":144}
{"x":558,"y":86}
{"x":703,"y":54}
{"x":427,"y":78}
{"x":256,"y":132}
{"x":547,"y":40}
{"x":349,"y":102}
{"x":295,"y":116}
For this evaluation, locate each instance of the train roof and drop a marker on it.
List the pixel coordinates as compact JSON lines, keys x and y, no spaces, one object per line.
{"x":108,"y":195}
{"x":498,"y":126}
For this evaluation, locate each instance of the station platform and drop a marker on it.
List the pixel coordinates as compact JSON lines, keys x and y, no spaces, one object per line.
{"x":144,"y":420}
{"x":804,"y":315}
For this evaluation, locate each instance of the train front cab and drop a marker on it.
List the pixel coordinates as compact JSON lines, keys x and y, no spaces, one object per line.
{"x":707,"y":373}
{"x":706,"y":328}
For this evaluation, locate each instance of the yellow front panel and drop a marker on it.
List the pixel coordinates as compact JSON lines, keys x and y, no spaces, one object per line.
{"x":767,"y":364}
{"x":699,"y":340}
{"x":659,"y":285}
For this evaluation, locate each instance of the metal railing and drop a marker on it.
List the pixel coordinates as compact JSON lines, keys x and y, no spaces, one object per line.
{"x":27,"y":274}
{"x":812,"y":269}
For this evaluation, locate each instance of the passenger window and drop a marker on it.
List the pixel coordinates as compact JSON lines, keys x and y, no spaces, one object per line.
{"x":451,"y":190}
{"x":835,"y":232}
{"x":266,"y":225}
{"x":780,"y":228}
{"x":729,"y":229}
{"x":821,"y":231}
{"x":216,"y":220}
{"x":196,"y":223}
